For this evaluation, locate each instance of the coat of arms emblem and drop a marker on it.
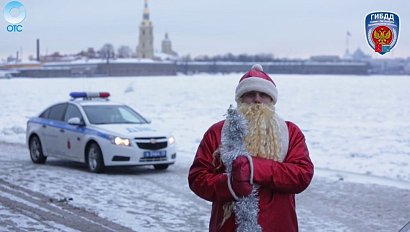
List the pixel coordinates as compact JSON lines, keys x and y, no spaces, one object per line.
{"x":382,"y":31}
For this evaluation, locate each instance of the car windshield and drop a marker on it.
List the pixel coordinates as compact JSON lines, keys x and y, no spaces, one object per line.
{"x":112,"y":114}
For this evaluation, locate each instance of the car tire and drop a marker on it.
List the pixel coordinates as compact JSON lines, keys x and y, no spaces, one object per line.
{"x":161,"y":166}
{"x":94,"y":158}
{"x":36,"y":151}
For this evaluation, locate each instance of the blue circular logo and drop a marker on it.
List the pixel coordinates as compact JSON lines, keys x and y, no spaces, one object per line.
{"x":14,"y":12}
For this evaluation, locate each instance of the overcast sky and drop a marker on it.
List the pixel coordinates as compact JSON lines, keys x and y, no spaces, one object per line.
{"x":293,"y":28}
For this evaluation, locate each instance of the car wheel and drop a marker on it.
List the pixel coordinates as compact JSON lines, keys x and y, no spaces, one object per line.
{"x":36,"y":151}
{"x":160,"y":166}
{"x":94,"y":158}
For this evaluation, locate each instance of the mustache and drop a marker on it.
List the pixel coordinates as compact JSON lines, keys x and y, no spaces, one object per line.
{"x":245,"y":107}
{"x":258,"y":112}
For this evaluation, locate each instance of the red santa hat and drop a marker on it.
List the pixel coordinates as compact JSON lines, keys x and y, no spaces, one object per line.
{"x":256,"y":80}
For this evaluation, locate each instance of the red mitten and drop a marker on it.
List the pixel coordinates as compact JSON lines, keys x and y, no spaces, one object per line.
{"x":241,"y":173}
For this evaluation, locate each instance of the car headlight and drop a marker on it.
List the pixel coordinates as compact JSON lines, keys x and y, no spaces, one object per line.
{"x":171,"y":140}
{"x":120,"y":141}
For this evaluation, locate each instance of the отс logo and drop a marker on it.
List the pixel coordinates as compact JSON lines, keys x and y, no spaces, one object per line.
{"x":14,"y":13}
{"x":382,"y":31}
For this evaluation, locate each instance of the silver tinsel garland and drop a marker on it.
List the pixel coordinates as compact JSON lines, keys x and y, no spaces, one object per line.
{"x":246,"y":209}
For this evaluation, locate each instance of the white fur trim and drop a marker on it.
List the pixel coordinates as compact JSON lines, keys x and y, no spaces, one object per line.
{"x":257,"y":67}
{"x":256,"y":84}
{"x":284,"y":138}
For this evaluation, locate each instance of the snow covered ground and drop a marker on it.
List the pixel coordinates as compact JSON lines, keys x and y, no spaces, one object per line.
{"x":355,"y":124}
{"x":356,"y":129}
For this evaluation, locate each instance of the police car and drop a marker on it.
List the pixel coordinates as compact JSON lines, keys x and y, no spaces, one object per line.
{"x":91,"y":129}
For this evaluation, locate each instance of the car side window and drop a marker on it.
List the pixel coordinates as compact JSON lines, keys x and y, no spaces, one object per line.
{"x":57,"y":112}
{"x":72,"y":112}
{"x":45,"y":113}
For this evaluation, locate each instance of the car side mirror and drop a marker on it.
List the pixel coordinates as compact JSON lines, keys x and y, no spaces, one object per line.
{"x":76,"y":121}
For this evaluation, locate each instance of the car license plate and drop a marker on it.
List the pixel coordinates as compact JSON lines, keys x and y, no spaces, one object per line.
{"x":154,"y":154}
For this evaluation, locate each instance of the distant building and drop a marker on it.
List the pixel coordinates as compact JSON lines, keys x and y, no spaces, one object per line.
{"x":145,"y":48}
{"x":360,"y":55}
{"x":325,"y":58}
{"x":347,"y":55}
{"x":166,"y":47}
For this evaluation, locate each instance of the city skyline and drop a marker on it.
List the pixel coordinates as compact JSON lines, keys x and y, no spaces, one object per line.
{"x":285,"y":29}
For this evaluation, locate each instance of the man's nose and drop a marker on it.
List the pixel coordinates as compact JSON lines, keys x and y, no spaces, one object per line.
{"x":257,"y":98}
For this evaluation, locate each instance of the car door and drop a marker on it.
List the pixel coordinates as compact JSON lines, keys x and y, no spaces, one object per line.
{"x":43,"y":130}
{"x":74,"y":134}
{"x":56,"y":129}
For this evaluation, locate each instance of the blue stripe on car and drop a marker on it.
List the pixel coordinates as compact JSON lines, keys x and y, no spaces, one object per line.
{"x":66,"y":126}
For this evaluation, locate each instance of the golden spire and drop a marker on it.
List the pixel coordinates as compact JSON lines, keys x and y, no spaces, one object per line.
{"x":146,"y":10}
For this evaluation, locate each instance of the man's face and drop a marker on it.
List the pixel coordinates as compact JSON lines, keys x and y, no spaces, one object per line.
{"x":255,"y":97}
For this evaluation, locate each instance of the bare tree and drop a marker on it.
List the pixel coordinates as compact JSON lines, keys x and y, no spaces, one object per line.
{"x":91,"y":53}
{"x":124,"y":52}
{"x":107,"y":52}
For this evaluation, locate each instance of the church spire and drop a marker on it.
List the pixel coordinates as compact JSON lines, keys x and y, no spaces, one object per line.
{"x":145,"y":48}
{"x":146,"y":11}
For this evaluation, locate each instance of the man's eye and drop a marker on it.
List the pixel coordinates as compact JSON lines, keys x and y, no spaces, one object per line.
{"x":250,"y":94}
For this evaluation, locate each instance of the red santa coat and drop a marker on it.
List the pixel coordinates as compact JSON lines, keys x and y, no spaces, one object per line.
{"x":279,"y":181}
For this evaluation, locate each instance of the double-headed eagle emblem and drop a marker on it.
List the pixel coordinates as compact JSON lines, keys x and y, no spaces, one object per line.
{"x":382,"y":35}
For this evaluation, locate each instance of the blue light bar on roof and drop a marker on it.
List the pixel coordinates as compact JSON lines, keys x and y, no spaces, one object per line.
{"x":89,"y":94}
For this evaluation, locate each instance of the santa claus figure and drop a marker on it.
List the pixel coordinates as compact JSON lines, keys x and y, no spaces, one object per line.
{"x":251,"y":165}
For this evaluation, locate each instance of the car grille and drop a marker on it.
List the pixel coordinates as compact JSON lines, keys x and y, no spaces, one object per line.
{"x":152,"y":146}
{"x":152,"y":143}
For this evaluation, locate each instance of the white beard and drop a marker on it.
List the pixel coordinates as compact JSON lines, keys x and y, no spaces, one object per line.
{"x":263,"y":138}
